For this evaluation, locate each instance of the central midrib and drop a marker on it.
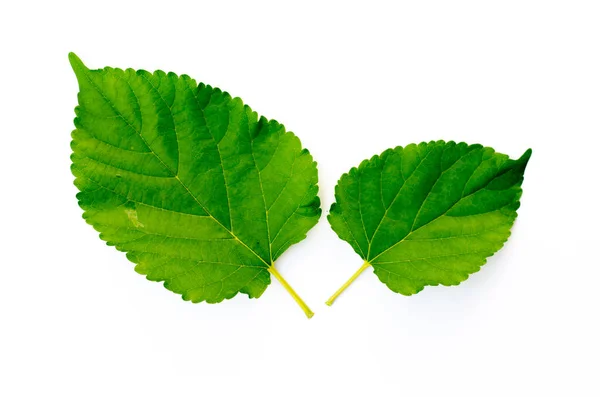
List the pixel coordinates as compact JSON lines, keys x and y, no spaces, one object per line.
{"x":439,"y":216}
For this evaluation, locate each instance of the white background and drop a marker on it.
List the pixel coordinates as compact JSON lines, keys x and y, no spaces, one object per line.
{"x":350,"y":79}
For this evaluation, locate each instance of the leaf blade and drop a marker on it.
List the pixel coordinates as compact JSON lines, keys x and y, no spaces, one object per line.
{"x":423,"y":191}
{"x":175,"y":174}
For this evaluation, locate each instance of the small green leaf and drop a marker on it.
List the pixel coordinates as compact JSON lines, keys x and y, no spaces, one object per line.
{"x":198,"y":190}
{"x":427,"y":214}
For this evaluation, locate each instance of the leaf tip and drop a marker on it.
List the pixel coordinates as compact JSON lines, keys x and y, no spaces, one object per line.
{"x":76,"y":63}
{"x":525,"y":158}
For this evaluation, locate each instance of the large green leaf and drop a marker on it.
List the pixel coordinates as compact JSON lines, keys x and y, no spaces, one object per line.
{"x":427,"y":214}
{"x":198,"y":190}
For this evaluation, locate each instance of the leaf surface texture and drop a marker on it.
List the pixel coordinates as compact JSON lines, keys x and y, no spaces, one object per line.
{"x":430,"y":213}
{"x":198,"y":190}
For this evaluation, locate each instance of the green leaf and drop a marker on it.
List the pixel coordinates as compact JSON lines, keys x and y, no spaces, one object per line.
{"x":198,"y":190}
{"x":427,"y":214}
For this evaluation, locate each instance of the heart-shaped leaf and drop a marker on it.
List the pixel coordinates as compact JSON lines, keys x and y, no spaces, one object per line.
{"x":198,"y":190}
{"x":427,"y":214}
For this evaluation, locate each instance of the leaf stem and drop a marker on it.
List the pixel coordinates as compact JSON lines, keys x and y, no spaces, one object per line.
{"x":347,"y":283}
{"x":291,"y":291}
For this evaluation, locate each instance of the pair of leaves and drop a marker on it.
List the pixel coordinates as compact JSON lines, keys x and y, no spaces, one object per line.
{"x":203,"y":194}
